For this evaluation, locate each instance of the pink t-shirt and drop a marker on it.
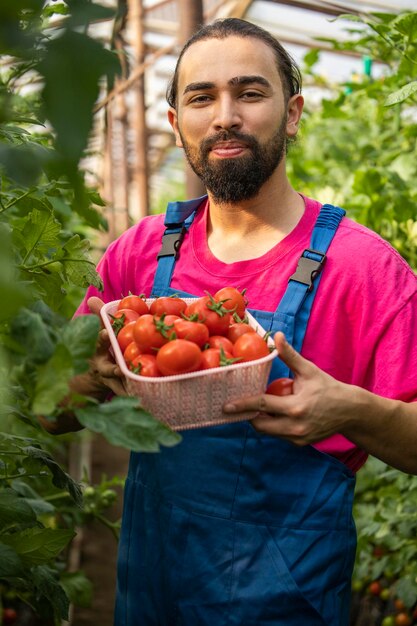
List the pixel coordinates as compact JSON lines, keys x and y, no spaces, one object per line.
{"x":363,"y":325}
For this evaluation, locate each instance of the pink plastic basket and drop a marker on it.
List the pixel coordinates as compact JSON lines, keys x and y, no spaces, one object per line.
{"x":194,"y":400}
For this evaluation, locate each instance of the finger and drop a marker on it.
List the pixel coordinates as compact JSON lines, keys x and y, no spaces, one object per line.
{"x":95,"y":305}
{"x":291,"y":358}
{"x":261,"y":404}
{"x":116,"y":386}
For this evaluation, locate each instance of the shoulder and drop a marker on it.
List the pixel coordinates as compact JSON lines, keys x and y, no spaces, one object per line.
{"x":367,"y":261}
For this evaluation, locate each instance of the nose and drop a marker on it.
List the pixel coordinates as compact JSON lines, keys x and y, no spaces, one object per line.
{"x":226,"y":114}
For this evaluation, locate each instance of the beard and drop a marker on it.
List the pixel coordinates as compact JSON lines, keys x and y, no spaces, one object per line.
{"x":239,"y":178}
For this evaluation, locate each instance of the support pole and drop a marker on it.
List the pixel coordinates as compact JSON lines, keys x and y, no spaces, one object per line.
{"x":140,"y":193}
{"x":191,"y":18}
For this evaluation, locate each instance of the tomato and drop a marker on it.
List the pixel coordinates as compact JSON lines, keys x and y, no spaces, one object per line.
{"x":9,"y":615}
{"x":131,"y":352}
{"x":212,"y":313}
{"x":385,"y":594}
{"x":171,"y":305}
{"x":250,"y":347}
{"x":123,"y":317}
{"x":215,"y":341}
{"x":135,"y":303}
{"x":375,"y":588}
{"x":125,"y":336}
{"x":196,"y":332}
{"x":237,"y":329}
{"x":388,"y":621}
{"x":145,"y":365}
{"x":213,"y":357}
{"x":178,"y":356}
{"x":399,"y":604}
{"x":280,"y":387}
{"x":233,"y":300}
{"x":402,"y":619}
{"x":150,"y":333}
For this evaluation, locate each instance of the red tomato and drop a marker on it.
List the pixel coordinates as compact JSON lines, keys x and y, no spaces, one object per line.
{"x":170,"y":319}
{"x":145,"y":365}
{"x":123,"y":317}
{"x":402,"y":619}
{"x":178,"y":356}
{"x":238,"y":329}
{"x":233,"y":300}
{"x":197,"y":332}
{"x":216,"y":341}
{"x":150,"y":333}
{"x":212,"y":357}
{"x":280,"y":387}
{"x":131,"y":352}
{"x":375,"y":588}
{"x":250,"y":347}
{"x":9,"y":615}
{"x":125,"y":336}
{"x":136,"y":303}
{"x":211,"y":313}
{"x":171,"y":305}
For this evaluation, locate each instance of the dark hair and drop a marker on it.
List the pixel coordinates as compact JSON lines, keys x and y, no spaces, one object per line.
{"x":220,"y":29}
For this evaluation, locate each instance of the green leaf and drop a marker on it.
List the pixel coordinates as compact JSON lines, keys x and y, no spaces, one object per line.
{"x":60,"y":478}
{"x":41,"y":231}
{"x":401,"y":94}
{"x":406,"y":24}
{"x":124,"y":423}
{"x":72,"y":87}
{"x":78,"y":588}
{"x":78,"y":267}
{"x":52,"y":381}
{"x":47,"y":584}
{"x":14,"y":509}
{"x":10,"y":563}
{"x":80,"y":338}
{"x":21,"y":163}
{"x":29,"y":331}
{"x":36,"y":546}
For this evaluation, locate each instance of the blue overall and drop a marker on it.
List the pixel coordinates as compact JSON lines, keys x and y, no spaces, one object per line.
{"x":232,"y":527}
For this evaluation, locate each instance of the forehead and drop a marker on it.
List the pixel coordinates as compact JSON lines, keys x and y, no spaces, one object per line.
{"x":218,"y":60}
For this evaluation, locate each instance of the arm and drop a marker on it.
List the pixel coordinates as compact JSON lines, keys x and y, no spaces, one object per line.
{"x":102,"y":378}
{"x":321,"y":406}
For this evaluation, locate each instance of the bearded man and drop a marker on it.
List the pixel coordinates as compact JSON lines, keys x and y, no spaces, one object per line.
{"x":250,"y":523}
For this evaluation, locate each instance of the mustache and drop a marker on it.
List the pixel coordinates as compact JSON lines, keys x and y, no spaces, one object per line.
{"x":226,"y":135}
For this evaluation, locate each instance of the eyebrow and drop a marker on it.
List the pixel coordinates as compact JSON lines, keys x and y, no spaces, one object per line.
{"x":233,"y":82}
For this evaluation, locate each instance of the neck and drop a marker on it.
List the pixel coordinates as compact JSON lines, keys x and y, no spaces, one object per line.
{"x":248,"y":229}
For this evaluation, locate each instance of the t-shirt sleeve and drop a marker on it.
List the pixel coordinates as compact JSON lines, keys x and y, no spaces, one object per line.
{"x":112,"y":289}
{"x":394,"y":369}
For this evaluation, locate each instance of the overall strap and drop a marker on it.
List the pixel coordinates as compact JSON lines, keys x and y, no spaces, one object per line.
{"x":296,"y":304}
{"x":178,"y":219}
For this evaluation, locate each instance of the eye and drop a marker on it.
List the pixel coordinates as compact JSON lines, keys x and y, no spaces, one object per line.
{"x":200,"y":99}
{"x":251,"y":95}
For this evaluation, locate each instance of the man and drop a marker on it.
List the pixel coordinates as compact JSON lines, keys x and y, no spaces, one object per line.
{"x":236,"y":524}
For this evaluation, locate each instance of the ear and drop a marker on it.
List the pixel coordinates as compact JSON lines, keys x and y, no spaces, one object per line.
{"x":173,"y":120}
{"x":294,"y":111}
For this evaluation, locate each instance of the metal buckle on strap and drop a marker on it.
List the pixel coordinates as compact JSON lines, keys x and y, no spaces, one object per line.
{"x":308,"y":269}
{"x":171,"y":243}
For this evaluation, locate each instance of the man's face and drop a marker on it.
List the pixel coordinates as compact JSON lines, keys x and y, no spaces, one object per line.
{"x":231,"y":117}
